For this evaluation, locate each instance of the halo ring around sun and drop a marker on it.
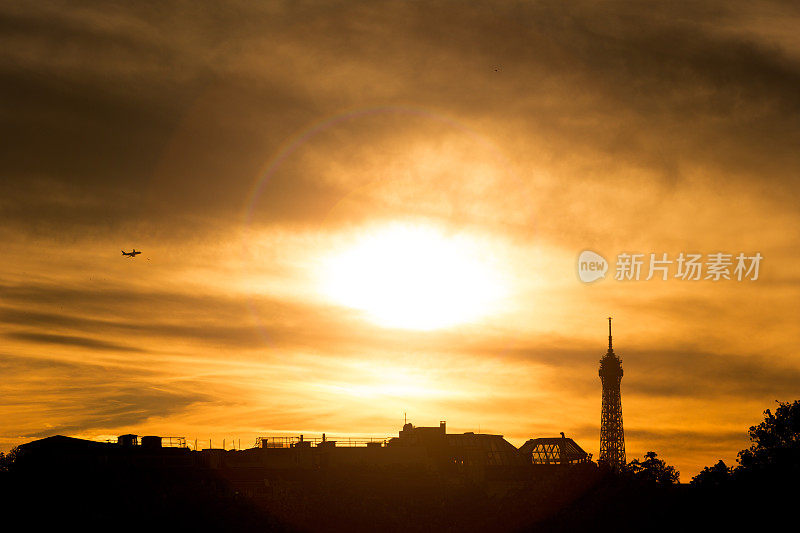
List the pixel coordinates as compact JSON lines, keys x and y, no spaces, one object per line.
{"x":455,"y":286}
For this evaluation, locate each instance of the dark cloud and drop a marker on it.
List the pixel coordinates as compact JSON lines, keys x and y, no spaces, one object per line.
{"x":71,"y":340}
{"x":689,"y":440}
{"x":75,"y":397}
{"x":707,"y":375}
{"x":692,"y":373}
{"x":204,"y":319}
{"x":212,"y":321}
{"x":179,"y":107}
{"x":117,"y":408}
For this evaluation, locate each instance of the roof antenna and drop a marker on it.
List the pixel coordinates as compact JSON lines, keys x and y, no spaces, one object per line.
{"x":405,"y":421}
{"x":610,"y":349}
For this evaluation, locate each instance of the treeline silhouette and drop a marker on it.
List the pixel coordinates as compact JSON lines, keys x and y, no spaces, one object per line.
{"x":643,"y":496}
{"x":763,"y":490}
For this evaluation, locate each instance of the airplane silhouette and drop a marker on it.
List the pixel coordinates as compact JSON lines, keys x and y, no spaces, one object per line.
{"x":132,"y":254}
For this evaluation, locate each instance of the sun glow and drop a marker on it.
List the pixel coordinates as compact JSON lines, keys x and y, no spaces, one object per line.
{"x":415,"y":277}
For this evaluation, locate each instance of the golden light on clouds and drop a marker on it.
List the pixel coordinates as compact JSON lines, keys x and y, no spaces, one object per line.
{"x":414,"y":277}
{"x":348,"y":213}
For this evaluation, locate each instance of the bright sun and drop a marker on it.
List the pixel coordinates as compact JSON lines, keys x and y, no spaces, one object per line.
{"x":414,"y":277}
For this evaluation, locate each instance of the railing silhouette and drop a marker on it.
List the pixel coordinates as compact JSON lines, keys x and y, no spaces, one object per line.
{"x":341,"y":442}
{"x":166,"y":442}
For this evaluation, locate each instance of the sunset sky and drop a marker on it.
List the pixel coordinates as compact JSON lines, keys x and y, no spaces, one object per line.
{"x":352,"y":211}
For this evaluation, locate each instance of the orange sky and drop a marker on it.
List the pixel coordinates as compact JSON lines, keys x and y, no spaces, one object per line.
{"x":352,"y":211}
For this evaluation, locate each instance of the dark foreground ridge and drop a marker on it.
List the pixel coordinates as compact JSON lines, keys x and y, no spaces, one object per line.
{"x":423,"y":480}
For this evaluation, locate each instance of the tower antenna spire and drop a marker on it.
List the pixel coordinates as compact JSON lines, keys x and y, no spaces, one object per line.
{"x":609,"y":335}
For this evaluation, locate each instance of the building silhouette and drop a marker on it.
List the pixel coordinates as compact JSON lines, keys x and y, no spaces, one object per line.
{"x":420,"y":451}
{"x":612,"y":436}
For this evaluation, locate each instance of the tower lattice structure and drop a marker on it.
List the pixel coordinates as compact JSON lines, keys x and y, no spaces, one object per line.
{"x":612,"y":437}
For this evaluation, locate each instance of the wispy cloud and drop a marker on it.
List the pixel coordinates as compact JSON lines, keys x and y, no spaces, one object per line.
{"x":44,"y":396}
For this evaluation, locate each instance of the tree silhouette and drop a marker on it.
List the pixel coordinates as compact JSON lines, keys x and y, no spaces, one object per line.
{"x":7,"y":459}
{"x":653,"y":470}
{"x":775,"y":443}
{"x":713,"y":476}
{"x":761,"y":492}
